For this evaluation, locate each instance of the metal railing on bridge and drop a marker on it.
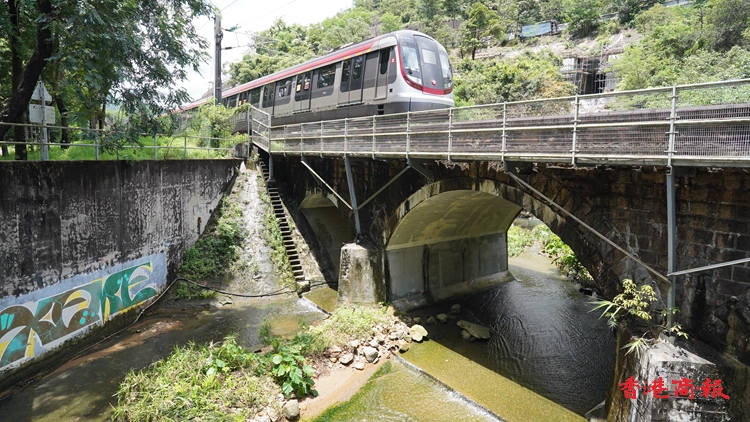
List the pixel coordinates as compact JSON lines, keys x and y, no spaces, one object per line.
{"x":688,"y":125}
{"x":91,"y":146}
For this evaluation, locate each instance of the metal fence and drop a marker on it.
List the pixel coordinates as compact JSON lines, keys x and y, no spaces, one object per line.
{"x":178,"y":147}
{"x":688,"y":125}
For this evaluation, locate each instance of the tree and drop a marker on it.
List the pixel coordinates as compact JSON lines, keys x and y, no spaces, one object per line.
{"x":583,"y":16}
{"x":730,"y":19}
{"x":528,"y":76}
{"x":389,"y":23}
{"x":212,"y":121}
{"x":482,"y":24}
{"x":24,"y":79}
{"x":429,"y":9}
{"x":628,"y":9}
{"x":126,"y":51}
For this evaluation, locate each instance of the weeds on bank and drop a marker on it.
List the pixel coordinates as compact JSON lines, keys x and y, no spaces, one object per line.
{"x":345,"y":324}
{"x":219,"y":381}
{"x":170,"y":147}
{"x":519,"y":239}
{"x":210,"y":382}
{"x":562,"y":256}
{"x":634,"y":305}
{"x":225,"y":382}
{"x":215,"y":251}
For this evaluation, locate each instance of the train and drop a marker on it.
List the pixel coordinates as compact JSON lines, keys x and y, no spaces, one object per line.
{"x":393,"y":73}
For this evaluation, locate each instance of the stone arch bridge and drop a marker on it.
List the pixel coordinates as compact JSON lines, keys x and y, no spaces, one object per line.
{"x":641,"y":185}
{"x":429,"y":238}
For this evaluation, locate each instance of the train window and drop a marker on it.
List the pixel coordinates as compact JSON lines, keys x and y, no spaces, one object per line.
{"x":345,"y":72}
{"x":384,"y":56}
{"x":255,"y":97}
{"x":326,"y":76}
{"x":285,"y":88}
{"x":428,"y":56}
{"x":357,"y":67}
{"x":410,"y":59}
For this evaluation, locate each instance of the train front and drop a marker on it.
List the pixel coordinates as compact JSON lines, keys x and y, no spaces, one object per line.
{"x":426,"y":79}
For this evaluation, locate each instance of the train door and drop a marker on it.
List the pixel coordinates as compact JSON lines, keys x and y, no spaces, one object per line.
{"x":302,"y":91}
{"x":268,"y":94}
{"x":381,"y":85}
{"x":369,"y":77}
{"x":346,"y":73}
{"x":356,"y":85}
{"x":350,"y":89}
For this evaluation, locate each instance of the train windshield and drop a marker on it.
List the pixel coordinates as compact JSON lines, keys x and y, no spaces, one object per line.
{"x":410,"y":60}
{"x":425,"y":62}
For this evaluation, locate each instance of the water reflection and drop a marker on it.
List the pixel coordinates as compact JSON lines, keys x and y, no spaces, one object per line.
{"x":543,"y":335}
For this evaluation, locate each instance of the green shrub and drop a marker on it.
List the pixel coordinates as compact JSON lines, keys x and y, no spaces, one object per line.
{"x":518,"y":240}
{"x":634,"y":305}
{"x":215,"y":251}
{"x":290,"y":370}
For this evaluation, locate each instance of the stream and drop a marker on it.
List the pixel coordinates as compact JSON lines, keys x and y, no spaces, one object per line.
{"x":548,"y":357}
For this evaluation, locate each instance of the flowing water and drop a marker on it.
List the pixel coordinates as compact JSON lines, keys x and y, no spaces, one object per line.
{"x":543,"y":336}
{"x":399,"y":393}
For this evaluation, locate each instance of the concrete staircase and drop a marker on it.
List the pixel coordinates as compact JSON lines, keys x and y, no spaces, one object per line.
{"x":286,"y":232}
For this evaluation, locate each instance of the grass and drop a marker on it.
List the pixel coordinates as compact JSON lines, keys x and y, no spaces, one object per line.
{"x":184,"y":387}
{"x":170,"y":148}
{"x":215,"y":252}
{"x":225,"y":382}
{"x":345,"y":324}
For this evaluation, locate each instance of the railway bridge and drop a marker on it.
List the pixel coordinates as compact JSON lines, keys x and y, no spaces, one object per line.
{"x":651,"y":185}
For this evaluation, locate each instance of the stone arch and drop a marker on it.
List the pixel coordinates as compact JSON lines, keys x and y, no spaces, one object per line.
{"x":482,"y":197}
{"x":448,"y":238}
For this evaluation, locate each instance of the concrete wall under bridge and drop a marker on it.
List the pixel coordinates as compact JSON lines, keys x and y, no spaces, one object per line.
{"x":448,"y":243}
{"x":84,"y":242}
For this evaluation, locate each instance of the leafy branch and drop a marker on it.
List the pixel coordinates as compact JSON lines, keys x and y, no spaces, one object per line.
{"x":635,"y":303}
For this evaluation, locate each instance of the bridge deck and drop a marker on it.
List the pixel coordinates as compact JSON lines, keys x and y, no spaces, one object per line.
{"x":692,"y":125}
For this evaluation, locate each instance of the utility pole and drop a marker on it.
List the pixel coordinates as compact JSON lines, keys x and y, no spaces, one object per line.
{"x":217,"y":57}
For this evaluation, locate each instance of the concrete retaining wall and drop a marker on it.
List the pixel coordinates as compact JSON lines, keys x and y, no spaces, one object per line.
{"x":81,"y":242}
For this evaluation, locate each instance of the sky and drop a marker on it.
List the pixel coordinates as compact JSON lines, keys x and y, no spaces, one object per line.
{"x":252,"y":16}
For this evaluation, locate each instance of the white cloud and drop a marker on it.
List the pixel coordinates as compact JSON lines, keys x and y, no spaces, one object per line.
{"x":253,"y":16}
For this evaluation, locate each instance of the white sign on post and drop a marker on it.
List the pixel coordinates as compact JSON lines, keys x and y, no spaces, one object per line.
{"x":43,"y":114}
{"x":35,"y":114}
{"x":41,"y":92}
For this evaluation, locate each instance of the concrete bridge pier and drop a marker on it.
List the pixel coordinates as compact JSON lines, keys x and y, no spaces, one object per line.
{"x":361,"y":275}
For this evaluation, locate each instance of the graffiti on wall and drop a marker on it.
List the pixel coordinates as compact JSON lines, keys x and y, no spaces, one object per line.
{"x":28,"y":329}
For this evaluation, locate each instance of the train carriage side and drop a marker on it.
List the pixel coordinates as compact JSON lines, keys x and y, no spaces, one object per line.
{"x":393,"y":73}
